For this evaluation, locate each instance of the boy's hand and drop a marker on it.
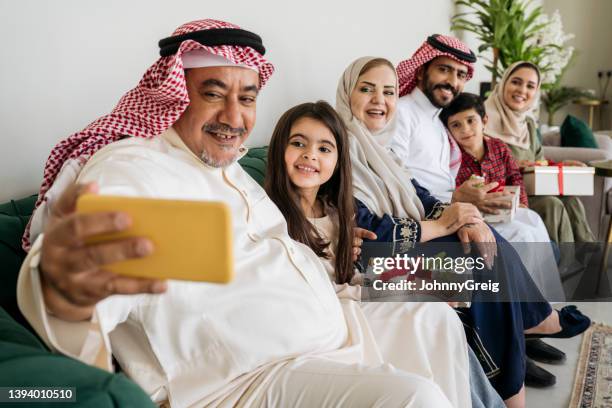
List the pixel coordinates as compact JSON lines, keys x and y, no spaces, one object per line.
{"x":479,"y":196}
{"x":491,"y":203}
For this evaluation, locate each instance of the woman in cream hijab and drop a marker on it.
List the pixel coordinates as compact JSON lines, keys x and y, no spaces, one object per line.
{"x":399,"y":210}
{"x":380,"y":183}
{"x":508,"y":108}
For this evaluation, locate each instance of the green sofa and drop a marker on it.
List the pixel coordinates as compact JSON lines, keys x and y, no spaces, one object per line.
{"x":24,"y":360}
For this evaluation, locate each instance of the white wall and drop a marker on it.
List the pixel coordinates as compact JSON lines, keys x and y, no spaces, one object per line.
{"x":67,"y":62}
{"x":591,"y":22}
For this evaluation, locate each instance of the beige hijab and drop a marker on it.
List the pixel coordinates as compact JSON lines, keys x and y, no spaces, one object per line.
{"x":378,"y":180}
{"x":505,"y":124}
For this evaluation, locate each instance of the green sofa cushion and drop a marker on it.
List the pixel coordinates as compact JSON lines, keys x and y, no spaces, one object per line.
{"x":576,"y":133}
{"x":25,"y":362}
{"x":254,"y":163}
{"x":14,"y":216}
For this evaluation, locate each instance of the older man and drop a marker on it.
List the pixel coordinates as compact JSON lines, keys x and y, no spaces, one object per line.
{"x":277,"y":335}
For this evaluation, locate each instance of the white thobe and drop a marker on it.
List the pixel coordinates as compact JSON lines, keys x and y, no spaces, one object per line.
{"x":421,"y":145}
{"x":275,"y":336}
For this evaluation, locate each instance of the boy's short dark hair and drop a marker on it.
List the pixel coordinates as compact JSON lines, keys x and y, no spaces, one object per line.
{"x":465,"y":101}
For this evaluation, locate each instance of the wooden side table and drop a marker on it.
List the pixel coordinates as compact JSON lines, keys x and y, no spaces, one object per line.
{"x":604,"y":169}
{"x":591,"y":104}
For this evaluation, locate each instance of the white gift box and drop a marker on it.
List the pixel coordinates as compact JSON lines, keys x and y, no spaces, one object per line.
{"x":548,"y":180}
{"x":506,"y":215}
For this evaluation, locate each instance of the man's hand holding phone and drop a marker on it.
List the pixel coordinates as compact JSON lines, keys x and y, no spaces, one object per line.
{"x":73,"y":272}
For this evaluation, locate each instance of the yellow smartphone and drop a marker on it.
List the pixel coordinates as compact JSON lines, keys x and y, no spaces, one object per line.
{"x":192,"y":239}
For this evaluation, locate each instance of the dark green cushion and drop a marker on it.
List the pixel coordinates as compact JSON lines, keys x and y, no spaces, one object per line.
{"x":576,"y":133}
{"x":12,"y":332}
{"x":254,"y":163}
{"x":24,"y":362}
{"x":14,"y":216}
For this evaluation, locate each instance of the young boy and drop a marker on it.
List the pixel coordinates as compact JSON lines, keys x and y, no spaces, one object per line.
{"x":482,"y":156}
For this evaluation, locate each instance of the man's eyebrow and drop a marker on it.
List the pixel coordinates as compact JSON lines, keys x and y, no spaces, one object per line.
{"x":453,"y":68}
{"x":251,"y":88}
{"x":214,"y":82}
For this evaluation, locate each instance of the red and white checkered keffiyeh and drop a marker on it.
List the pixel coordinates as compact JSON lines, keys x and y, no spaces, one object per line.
{"x":150,"y":108}
{"x":406,"y":70}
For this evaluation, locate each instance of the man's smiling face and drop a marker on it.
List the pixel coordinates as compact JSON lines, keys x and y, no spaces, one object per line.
{"x":221,"y":113}
{"x":442,"y":80}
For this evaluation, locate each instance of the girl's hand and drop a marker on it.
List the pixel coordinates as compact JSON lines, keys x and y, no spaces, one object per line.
{"x":358,"y":236}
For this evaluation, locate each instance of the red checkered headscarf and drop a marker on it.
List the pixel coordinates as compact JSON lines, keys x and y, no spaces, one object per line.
{"x":151,"y":107}
{"x":435,"y":46}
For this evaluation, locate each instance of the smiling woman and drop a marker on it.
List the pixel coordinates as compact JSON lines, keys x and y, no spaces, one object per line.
{"x":374,"y":98}
{"x":508,"y":109}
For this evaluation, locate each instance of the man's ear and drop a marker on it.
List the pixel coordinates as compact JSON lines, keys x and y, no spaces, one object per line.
{"x":420,"y":73}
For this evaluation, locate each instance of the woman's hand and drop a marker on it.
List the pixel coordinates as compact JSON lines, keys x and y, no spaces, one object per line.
{"x":457,"y":215}
{"x":481,"y":235}
{"x":525,"y":163}
{"x":573,"y":163}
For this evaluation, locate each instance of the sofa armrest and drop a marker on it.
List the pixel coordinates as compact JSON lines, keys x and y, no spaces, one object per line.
{"x":551,"y":138}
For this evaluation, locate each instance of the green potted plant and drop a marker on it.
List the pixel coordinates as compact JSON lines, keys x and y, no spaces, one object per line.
{"x":506,"y":27}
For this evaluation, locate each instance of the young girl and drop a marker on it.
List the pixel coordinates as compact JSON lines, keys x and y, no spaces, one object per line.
{"x":309,"y":178}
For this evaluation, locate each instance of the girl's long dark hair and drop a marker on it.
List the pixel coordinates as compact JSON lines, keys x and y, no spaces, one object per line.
{"x":336,"y":192}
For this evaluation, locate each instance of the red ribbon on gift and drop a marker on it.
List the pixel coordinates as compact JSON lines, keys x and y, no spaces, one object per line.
{"x":560,"y":178}
{"x":559,"y":166}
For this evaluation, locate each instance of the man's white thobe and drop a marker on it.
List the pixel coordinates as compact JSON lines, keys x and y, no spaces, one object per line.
{"x":421,"y":144}
{"x":277,"y":335}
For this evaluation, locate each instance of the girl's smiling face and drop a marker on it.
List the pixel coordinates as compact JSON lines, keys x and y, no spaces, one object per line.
{"x":311,"y":154}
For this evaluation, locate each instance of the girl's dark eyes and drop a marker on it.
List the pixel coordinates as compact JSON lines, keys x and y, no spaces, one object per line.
{"x":296,"y":143}
{"x":325,"y":149}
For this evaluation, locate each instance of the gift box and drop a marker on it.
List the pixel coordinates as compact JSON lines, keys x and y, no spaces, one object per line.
{"x":506,"y":215}
{"x":559,"y":180}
